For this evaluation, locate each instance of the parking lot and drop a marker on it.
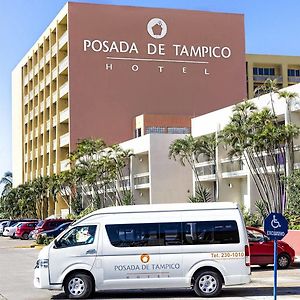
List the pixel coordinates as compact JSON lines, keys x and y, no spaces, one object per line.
{"x":16,"y":281}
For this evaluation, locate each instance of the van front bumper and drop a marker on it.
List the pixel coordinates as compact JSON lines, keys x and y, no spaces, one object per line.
{"x":41,"y":278}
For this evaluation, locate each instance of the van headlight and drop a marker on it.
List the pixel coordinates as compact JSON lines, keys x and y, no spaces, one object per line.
{"x":42,"y":263}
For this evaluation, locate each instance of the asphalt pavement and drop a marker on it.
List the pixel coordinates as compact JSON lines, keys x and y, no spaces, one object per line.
{"x":17,"y":261}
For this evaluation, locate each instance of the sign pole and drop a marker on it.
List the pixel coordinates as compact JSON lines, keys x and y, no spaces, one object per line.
{"x":275,"y":269}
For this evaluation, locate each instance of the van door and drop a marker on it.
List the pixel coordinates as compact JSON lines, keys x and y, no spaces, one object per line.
{"x":76,"y":249}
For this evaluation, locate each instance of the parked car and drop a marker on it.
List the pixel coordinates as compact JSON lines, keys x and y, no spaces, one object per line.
{"x":262,"y":250}
{"x":47,"y":224}
{"x":56,"y":231}
{"x":23,"y":229}
{"x":3,"y":224}
{"x":11,"y":230}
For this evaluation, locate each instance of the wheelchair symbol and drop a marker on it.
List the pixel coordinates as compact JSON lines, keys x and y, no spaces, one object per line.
{"x":274,"y":223}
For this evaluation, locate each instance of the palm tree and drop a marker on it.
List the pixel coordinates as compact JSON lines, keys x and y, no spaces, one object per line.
{"x":6,"y":180}
{"x":188,"y":151}
{"x":260,"y":140}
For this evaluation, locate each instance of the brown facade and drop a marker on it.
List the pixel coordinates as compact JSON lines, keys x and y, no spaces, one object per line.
{"x":108,"y":89}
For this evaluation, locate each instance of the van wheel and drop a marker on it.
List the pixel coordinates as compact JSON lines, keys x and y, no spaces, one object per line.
{"x":78,"y":286}
{"x":208,"y":284}
{"x":283,"y":261}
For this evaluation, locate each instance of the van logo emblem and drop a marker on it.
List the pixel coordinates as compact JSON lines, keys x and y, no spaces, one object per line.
{"x":145,"y":258}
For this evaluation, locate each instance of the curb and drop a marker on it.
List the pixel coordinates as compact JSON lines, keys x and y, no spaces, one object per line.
{"x":36,"y":246}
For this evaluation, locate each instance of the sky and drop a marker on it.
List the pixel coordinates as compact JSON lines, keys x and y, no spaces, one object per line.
{"x":271,"y":27}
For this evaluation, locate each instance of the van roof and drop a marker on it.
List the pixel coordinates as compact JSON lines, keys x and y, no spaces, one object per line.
{"x":165,"y":207}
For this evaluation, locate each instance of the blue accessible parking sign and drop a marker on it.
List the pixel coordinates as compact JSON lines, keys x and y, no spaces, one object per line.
{"x":276,"y":226}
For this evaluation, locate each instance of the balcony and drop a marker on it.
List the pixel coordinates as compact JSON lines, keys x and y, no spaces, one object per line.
{"x":48,"y":125}
{"x":54,"y":144}
{"x":64,"y":140}
{"x":141,"y":181}
{"x":30,"y":155}
{"x":30,"y":74}
{"x":36,"y":174}
{"x":26,"y":99}
{"x":263,"y":78}
{"x":25,"y":158}
{"x":31,"y":135}
{"x":26,"y":137}
{"x":36,"y":132}
{"x":54,"y":73}
{"x":233,"y":168}
{"x":54,"y":121}
{"x":36,"y":111}
{"x":294,"y":79}
{"x":206,"y":171}
{"x":36,"y":90}
{"x":30,"y":95}
{"x":64,"y":115}
{"x":26,"y":118}
{"x":48,"y":102}
{"x":26,"y":79}
{"x":54,"y":49}
{"x":64,"y":89}
{"x":48,"y":147}
{"x":42,"y":128}
{"x":42,"y":171}
{"x":48,"y":79}
{"x":63,"y":64}
{"x":47,"y":56}
{"x":42,"y":63}
{"x":65,"y":165}
{"x":36,"y":69}
{"x":36,"y":153}
{"x":42,"y":106}
{"x":54,"y":168}
{"x":42,"y":85}
{"x":48,"y":171}
{"x":54,"y":97}
{"x":42,"y":150}
{"x":63,"y":40}
{"x":31,"y":115}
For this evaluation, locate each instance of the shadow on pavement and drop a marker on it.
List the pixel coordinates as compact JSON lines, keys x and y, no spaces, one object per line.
{"x":171,"y":294}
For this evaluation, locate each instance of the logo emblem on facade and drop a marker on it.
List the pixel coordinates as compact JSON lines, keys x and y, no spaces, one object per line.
{"x":157,"y":28}
{"x":145,"y":258}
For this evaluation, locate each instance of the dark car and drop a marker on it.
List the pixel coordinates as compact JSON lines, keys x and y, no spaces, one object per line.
{"x":262,"y":250}
{"x":55,"y":232}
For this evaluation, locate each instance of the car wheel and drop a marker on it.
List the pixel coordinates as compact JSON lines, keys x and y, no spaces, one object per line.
{"x":13,"y":236}
{"x":283,"y":261}
{"x":78,"y":286}
{"x":25,"y":236}
{"x":208,"y":284}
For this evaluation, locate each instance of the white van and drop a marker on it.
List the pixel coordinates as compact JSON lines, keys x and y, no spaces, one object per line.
{"x":199,"y":246}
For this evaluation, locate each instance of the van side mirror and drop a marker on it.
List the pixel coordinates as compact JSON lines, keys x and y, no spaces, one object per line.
{"x":57,"y":244}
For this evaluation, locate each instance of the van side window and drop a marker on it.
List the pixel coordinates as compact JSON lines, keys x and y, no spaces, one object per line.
{"x":81,"y":235}
{"x":175,"y":233}
{"x":133,"y":235}
{"x":210,"y":232}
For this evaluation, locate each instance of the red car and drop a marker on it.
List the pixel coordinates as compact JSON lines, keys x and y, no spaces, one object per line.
{"x":48,"y":224}
{"x":262,"y":250}
{"x":23,"y":229}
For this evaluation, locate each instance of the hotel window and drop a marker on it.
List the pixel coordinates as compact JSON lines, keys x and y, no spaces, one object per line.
{"x":264,"y":71}
{"x":138,"y":132}
{"x":155,"y":130}
{"x":294,"y":72}
{"x":179,"y":130}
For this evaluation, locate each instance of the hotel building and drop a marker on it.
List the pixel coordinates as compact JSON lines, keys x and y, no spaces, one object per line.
{"x":90,"y":77}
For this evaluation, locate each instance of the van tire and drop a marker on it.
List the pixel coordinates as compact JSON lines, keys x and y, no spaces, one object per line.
{"x":78,"y":286}
{"x":207,"y":284}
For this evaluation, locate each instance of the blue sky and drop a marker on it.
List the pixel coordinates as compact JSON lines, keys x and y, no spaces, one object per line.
{"x":272,"y":27}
